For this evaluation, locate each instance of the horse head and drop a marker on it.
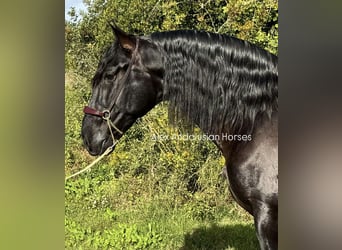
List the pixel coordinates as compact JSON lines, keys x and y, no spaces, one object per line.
{"x":126,"y":85}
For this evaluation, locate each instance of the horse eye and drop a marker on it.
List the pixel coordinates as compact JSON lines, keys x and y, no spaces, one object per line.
{"x":110,"y":77}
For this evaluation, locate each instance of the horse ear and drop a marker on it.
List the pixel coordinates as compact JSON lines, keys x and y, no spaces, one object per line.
{"x":126,"y":41}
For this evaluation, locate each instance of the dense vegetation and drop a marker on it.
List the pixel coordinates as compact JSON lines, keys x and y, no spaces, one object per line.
{"x":152,"y":194}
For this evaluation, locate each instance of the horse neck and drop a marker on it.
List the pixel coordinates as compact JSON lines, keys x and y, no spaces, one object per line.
{"x":206,"y":91}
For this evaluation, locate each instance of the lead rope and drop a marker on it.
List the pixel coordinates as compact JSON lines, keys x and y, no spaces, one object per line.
{"x":108,"y":150}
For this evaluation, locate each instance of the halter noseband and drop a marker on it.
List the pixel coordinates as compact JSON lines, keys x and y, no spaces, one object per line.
{"x":105,"y":114}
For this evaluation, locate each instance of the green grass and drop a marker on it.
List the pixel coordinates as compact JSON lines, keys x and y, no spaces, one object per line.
{"x":156,"y":224}
{"x":148,"y":194}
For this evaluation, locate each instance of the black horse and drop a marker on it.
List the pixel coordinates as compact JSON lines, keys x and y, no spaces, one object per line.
{"x":226,"y":86}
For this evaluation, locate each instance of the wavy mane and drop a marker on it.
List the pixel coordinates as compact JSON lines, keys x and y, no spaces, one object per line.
{"x":216,"y":81}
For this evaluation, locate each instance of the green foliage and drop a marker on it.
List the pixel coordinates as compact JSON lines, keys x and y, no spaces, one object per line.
{"x":255,"y":21}
{"x":122,"y":236}
{"x":86,"y":38}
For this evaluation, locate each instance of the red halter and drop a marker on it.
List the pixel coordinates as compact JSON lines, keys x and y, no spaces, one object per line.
{"x":105,"y":114}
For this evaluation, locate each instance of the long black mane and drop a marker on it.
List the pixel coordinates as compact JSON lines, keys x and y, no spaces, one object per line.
{"x":218,"y":82}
